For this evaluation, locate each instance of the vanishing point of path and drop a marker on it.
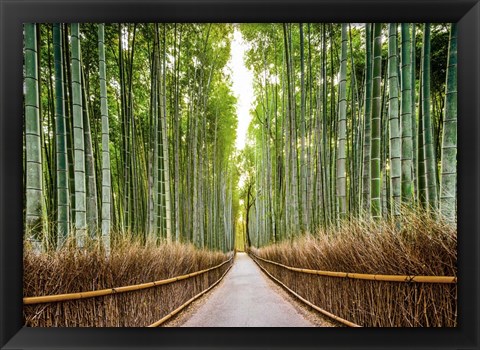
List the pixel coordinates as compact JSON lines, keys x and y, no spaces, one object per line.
{"x":246,"y":298}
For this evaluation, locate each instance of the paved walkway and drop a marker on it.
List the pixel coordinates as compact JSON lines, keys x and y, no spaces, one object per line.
{"x":244,"y":299}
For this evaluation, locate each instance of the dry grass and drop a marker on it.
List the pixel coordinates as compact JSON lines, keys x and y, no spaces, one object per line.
{"x":69,"y":271}
{"x":423,"y":246}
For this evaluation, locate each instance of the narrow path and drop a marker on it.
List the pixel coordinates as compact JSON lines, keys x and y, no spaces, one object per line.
{"x":245,"y":298}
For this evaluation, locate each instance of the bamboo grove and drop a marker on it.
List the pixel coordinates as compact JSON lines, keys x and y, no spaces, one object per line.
{"x":350,"y":121}
{"x":129,"y":131}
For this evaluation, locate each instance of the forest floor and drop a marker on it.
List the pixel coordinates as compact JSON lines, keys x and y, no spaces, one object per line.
{"x":248,"y":298}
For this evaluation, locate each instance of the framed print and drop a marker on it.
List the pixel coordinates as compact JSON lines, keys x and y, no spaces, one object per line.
{"x":239,"y":174}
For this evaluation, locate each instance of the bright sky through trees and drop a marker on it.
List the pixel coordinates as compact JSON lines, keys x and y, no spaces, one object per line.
{"x":242,"y":86}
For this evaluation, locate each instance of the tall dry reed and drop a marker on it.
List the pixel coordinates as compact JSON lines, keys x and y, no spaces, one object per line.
{"x":70,"y":271}
{"x":420,"y":245}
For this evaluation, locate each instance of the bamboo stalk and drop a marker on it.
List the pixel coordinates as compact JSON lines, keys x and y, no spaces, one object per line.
{"x":370,"y":277}
{"x":102,"y":292}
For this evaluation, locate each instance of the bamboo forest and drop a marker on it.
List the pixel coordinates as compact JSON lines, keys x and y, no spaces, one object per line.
{"x":165,"y":161}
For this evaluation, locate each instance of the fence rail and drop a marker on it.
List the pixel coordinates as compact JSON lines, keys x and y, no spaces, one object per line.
{"x":364,"y":276}
{"x":108,"y":291}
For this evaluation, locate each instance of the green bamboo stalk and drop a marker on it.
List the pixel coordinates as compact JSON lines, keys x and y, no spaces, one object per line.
{"x":49,"y":165}
{"x":67,"y":90}
{"x":421,"y":177}
{"x":394,"y":127}
{"x":293,"y":137}
{"x":63,"y":205}
{"x":342,"y":129}
{"x":90,"y":175}
{"x":79,"y":146}
{"x":166,"y":167}
{"x":34,"y":174}
{"x":449,"y":141}
{"x":375,"y":149}
{"x":106,"y":175}
{"x":286,"y":130}
{"x":325,"y":147}
{"x":414,"y":118}
{"x":406,"y":115}
{"x":303,"y":169}
{"x":430,"y":159}
{"x":178,"y":58}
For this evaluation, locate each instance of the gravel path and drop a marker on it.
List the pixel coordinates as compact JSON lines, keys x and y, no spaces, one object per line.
{"x":245,"y":298}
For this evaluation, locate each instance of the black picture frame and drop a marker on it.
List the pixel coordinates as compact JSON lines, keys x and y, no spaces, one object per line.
{"x":13,"y":13}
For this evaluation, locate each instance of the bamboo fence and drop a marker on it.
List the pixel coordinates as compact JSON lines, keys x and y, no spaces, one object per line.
{"x":324,"y":312}
{"x":370,"y":300}
{"x":108,"y":291}
{"x":114,"y":307}
{"x":188,"y":302}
